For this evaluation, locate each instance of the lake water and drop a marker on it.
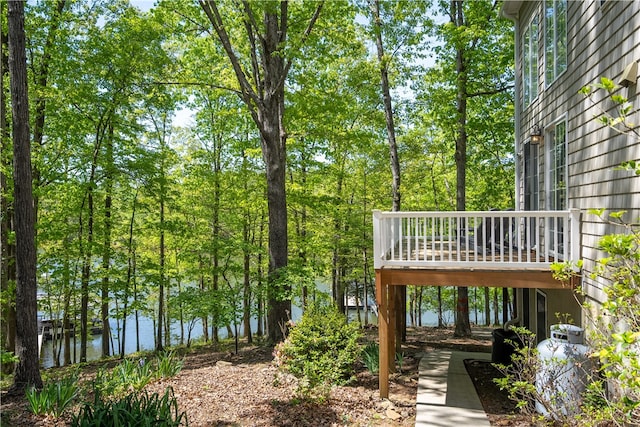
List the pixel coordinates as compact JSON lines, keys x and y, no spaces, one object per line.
{"x":147,"y":332}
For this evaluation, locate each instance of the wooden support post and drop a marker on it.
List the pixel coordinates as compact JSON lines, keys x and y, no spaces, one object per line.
{"x":382,"y":299}
{"x":400,"y":316}
{"x":393,"y":299}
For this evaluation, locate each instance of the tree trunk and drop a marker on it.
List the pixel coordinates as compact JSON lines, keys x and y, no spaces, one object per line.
{"x":246,"y":255}
{"x":159,"y":345}
{"x":463,"y":326}
{"x":496,"y":319}
{"x":7,"y":248}
{"x":401,"y":299}
{"x":27,"y":372}
{"x":487,"y":307}
{"x":106,"y":249}
{"x":265,"y":100}
{"x":440,"y":314}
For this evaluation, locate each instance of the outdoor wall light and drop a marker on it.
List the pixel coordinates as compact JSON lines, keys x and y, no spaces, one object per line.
{"x":629,"y":75}
{"x":536,"y":135}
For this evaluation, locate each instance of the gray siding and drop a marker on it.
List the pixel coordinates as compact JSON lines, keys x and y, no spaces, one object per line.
{"x":602,"y":41}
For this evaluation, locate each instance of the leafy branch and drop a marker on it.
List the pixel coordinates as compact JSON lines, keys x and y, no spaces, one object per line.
{"x":623,"y":108}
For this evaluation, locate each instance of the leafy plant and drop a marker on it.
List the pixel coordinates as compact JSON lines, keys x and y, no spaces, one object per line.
{"x":623,"y":108}
{"x":132,"y":410}
{"x":371,"y":357}
{"x":320,"y":351}
{"x":614,"y":395}
{"x":54,"y":398}
{"x":7,"y":359}
{"x":127,"y":376}
{"x":167,"y":364}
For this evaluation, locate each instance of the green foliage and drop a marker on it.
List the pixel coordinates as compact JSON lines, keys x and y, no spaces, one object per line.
{"x":616,"y":336}
{"x":371,"y":357}
{"x":615,"y":330}
{"x":54,"y":398}
{"x":400,"y":360}
{"x":132,"y":410}
{"x":7,"y":358}
{"x":619,"y":120}
{"x":519,"y":377}
{"x":320,"y":351}
{"x":168,"y":365}
{"x":133,"y":375}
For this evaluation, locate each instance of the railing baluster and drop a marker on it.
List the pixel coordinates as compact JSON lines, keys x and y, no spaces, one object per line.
{"x":417,"y":239}
{"x":475,"y":239}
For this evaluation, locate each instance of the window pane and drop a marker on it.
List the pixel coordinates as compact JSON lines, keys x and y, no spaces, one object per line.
{"x":561,"y":36}
{"x":555,"y":38}
{"x":530,"y":63}
{"x":549,"y":41}
{"x":534,"y":58}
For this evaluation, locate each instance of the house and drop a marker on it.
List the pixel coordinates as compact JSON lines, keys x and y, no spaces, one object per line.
{"x":566,"y":162}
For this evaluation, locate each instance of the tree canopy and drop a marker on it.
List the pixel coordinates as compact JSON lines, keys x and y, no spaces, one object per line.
{"x":211,"y":162}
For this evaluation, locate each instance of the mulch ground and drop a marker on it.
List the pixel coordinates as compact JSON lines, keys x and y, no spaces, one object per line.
{"x":217,"y":387}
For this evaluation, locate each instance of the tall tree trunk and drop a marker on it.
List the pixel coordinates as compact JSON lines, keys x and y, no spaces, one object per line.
{"x":7,"y":247}
{"x":246,"y":257}
{"x":487,"y":307}
{"x":130,"y":276}
{"x":27,"y":372}
{"x":440,"y":314}
{"x":401,"y":298}
{"x":159,"y":345}
{"x":496,"y":315}
{"x":106,"y":249}
{"x":265,"y":100}
{"x":66,"y":323}
{"x":463,"y":326}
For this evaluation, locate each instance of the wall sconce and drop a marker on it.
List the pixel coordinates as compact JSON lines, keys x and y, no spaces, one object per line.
{"x":629,"y":75}
{"x":536,"y":135}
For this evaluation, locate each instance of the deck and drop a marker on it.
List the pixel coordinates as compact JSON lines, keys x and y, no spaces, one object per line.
{"x":507,"y":240}
{"x":512,"y":249}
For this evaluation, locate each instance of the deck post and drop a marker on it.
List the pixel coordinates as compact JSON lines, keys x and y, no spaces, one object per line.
{"x":382,"y":290}
{"x":393,"y":321}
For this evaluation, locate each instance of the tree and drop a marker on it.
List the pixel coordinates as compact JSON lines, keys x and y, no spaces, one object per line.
{"x":7,"y":246}
{"x":263,"y":91}
{"x":27,"y":372}
{"x":473,"y":70}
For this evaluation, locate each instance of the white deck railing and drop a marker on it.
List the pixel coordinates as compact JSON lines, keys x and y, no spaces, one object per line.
{"x":468,"y":239}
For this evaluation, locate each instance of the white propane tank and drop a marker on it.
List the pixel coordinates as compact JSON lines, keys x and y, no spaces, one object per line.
{"x":562,"y":375}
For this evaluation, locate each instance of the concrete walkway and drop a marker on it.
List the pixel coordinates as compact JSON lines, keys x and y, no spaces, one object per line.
{"x":446,"y":395}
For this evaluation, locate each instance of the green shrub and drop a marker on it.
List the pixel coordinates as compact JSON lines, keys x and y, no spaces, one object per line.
{"x":54,"y":398}
{"x":371,"y":357}
{"x":7,"y":359}
{"x":132,"y":410}
{"x":320,"y":351}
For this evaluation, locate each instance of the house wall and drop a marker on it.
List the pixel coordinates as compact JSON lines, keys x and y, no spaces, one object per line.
{"x":603,"y":38}
{"x":561,"y":306}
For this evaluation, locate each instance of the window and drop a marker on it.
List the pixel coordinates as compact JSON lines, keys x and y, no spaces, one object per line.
{"x":557,"y":183}
{"x":530,"y":62}
{"x":531,"y":192}
{"x":555,"y":39}
{"x":557,"y":167}
{"x":541,"y":316}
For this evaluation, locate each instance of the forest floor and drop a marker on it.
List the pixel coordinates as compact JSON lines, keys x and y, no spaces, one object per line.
{"x":217,"y":387}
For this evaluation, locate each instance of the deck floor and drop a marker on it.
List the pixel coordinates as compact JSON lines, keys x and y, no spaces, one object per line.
{"x":419,"y":249}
